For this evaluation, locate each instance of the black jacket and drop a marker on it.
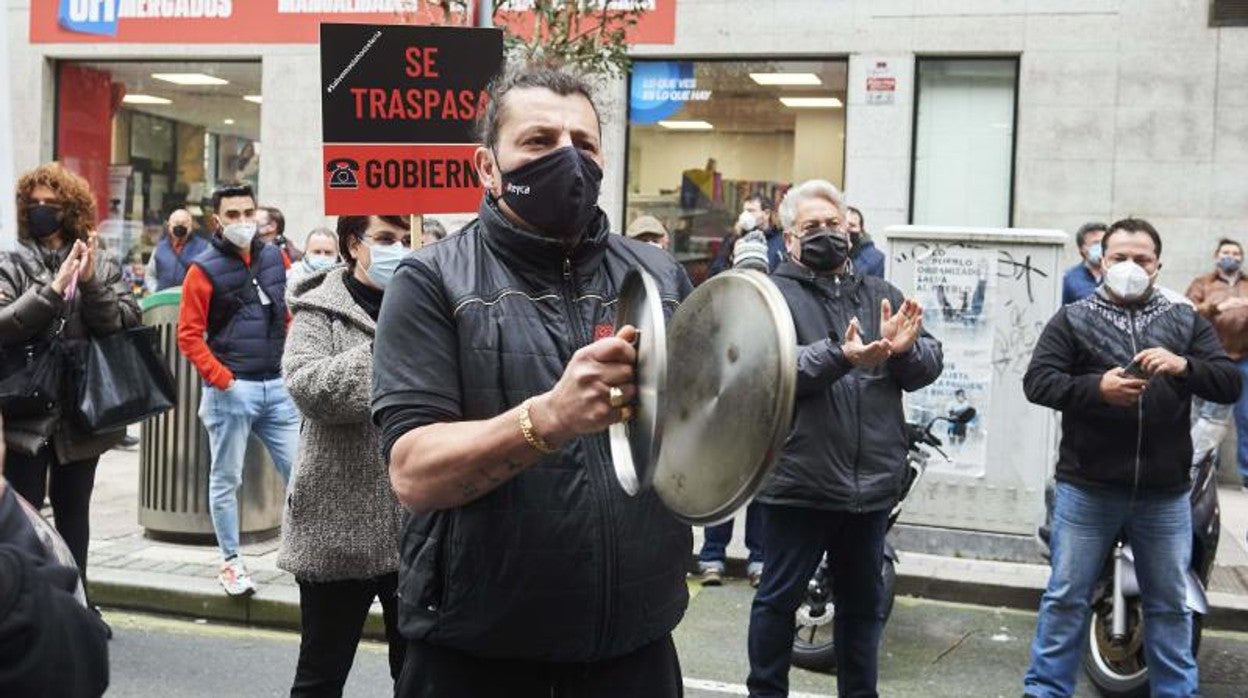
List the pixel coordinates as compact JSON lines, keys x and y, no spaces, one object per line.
{"x":29,"y":309}
{"x":557,"y":564}
{"x":51,"y":644}
{"x":847,"y":450}
{"x":1149,"y":446}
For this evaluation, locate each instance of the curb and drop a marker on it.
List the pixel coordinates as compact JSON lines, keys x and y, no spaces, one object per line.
{"x":273,"y":606}
{"x":277,"y":606}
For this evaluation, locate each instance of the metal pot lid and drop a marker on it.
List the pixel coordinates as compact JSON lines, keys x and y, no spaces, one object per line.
{"x":730,"y":391}
{"x":635,"y":443}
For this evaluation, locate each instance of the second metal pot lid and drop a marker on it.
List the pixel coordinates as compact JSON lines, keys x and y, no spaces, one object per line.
{"x":731,"y":385}
{"x":635,"y":444}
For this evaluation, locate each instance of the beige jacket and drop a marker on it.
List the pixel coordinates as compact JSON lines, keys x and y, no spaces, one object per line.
{"x":1207,"y":292}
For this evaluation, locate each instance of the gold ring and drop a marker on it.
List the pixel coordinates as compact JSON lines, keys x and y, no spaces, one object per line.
{"x":626,"y":413}
{"x":615,"y":397}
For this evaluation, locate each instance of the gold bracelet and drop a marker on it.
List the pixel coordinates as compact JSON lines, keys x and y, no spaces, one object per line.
{"x":530,"y":434}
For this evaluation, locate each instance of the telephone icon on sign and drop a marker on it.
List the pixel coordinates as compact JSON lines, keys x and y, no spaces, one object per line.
{"x":342,"y":173}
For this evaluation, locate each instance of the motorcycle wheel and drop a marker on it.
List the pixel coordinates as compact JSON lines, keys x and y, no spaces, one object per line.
{"x":889,"y":572}
{"x":814,"y":647}
{"x":1116,"y":672}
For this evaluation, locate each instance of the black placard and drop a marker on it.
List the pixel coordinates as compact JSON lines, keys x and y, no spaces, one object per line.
{"x":405,"y":84}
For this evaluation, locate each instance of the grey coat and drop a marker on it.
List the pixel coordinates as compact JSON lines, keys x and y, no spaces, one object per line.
{"x":28,"y":309}
{"x":341,"y":519}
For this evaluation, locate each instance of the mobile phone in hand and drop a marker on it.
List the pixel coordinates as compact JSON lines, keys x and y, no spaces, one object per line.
{"x":1135,"y":370}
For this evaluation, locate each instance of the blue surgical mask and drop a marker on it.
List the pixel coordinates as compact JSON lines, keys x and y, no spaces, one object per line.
{"x":319,"y":262}
{"x":384,"y":261}
{"x":1094,"y":254}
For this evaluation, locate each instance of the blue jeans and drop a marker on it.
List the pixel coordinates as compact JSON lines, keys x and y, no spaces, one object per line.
{"x":1085,"y":523}
{"x":1241,"y":424}
{"x":716,"y":538}
{"x":796,"y":539}
{"x":230,"y":417}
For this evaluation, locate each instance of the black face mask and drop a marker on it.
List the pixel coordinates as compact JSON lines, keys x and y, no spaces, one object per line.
{"x":43,"y":220}
{"x":557,"y":194}
{"x":824,"y":249}
{"x":180,"y":231}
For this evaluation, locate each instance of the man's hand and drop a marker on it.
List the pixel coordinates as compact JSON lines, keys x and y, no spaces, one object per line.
{"x":902,"y":328}
{"x":864,"y":355}
{"x":1161,"y":362}
{"x":1120,"y":390}
{"x":580,"y":402}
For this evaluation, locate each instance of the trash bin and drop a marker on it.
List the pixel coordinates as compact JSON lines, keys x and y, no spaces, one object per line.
{"x":174,"y":460}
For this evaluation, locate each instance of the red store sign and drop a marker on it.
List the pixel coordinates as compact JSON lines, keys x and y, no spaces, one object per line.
{"x":255,"y":21}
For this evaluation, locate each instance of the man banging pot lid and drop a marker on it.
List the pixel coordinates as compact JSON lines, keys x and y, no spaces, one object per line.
{"x":498,"y":369}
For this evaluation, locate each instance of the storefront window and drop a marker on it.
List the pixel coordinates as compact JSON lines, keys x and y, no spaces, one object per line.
{"x":705,"y":135}
{"x":153,"y":137}
{"x":964,"y":141}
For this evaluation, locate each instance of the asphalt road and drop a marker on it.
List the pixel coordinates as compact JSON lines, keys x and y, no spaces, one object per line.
{"x":930,"y":649}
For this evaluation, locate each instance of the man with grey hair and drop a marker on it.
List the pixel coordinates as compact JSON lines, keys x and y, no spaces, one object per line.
{"x":842,"y":467}
{"x":431,"y":231}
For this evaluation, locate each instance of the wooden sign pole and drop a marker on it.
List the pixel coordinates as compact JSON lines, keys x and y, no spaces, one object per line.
{"x":417,"y":222}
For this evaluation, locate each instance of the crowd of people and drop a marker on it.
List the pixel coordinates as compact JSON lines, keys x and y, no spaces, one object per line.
{"x":440,"y":420}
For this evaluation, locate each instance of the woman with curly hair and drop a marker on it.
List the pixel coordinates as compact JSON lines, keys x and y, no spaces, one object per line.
{"x":58,"y":278}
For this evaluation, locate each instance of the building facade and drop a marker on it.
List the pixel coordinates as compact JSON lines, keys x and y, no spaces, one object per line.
{"x":1030,"y":113}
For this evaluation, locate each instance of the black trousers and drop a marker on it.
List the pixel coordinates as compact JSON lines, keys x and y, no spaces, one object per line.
{"x":333,"y":615}
{"x":436,"y":672}
{"x":795,"y":538}
{"x":68,"y":485}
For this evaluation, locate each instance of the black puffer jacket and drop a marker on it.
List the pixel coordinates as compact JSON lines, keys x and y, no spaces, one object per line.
{"x":558,"y":564}
{"x":847,"y":450}
{"x":51,"y":644}
{"x":1148,"y":446}
{"x":29,"y":310}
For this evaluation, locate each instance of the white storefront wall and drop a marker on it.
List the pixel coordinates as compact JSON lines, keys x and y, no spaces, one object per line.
{"x":1124,"y":107}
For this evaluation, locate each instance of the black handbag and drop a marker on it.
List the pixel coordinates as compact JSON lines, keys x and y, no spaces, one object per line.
{"x":121,"y":379}
{"x":32,"y":377}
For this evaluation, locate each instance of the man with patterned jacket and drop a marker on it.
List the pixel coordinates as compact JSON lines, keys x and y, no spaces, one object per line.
{"x":1125,"y":457}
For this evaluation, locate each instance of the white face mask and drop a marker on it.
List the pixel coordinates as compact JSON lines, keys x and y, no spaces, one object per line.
{"x":240,"y":234}
{"x":383,"y":261}
{"x":1128,"y":281}
{"x":317,"y":262}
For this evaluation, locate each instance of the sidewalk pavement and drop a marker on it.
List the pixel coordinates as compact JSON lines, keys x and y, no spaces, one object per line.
{"x":129,"y":570}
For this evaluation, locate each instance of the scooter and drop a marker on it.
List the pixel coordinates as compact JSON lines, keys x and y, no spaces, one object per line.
{"x":813,"y":645}
{"x":1114,"y":660}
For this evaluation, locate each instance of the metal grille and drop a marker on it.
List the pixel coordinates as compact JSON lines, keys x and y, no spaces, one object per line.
{"x":176,"y":435}
{"x":1228,"y":13}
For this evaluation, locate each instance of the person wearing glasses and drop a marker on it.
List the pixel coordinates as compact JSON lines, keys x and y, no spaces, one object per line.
{"x":340,"y":530}
{"x":232,"y":328}
{"x":57,"y":279}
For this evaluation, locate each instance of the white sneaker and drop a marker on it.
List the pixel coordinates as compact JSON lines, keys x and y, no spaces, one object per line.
{"x":235,"y":578}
